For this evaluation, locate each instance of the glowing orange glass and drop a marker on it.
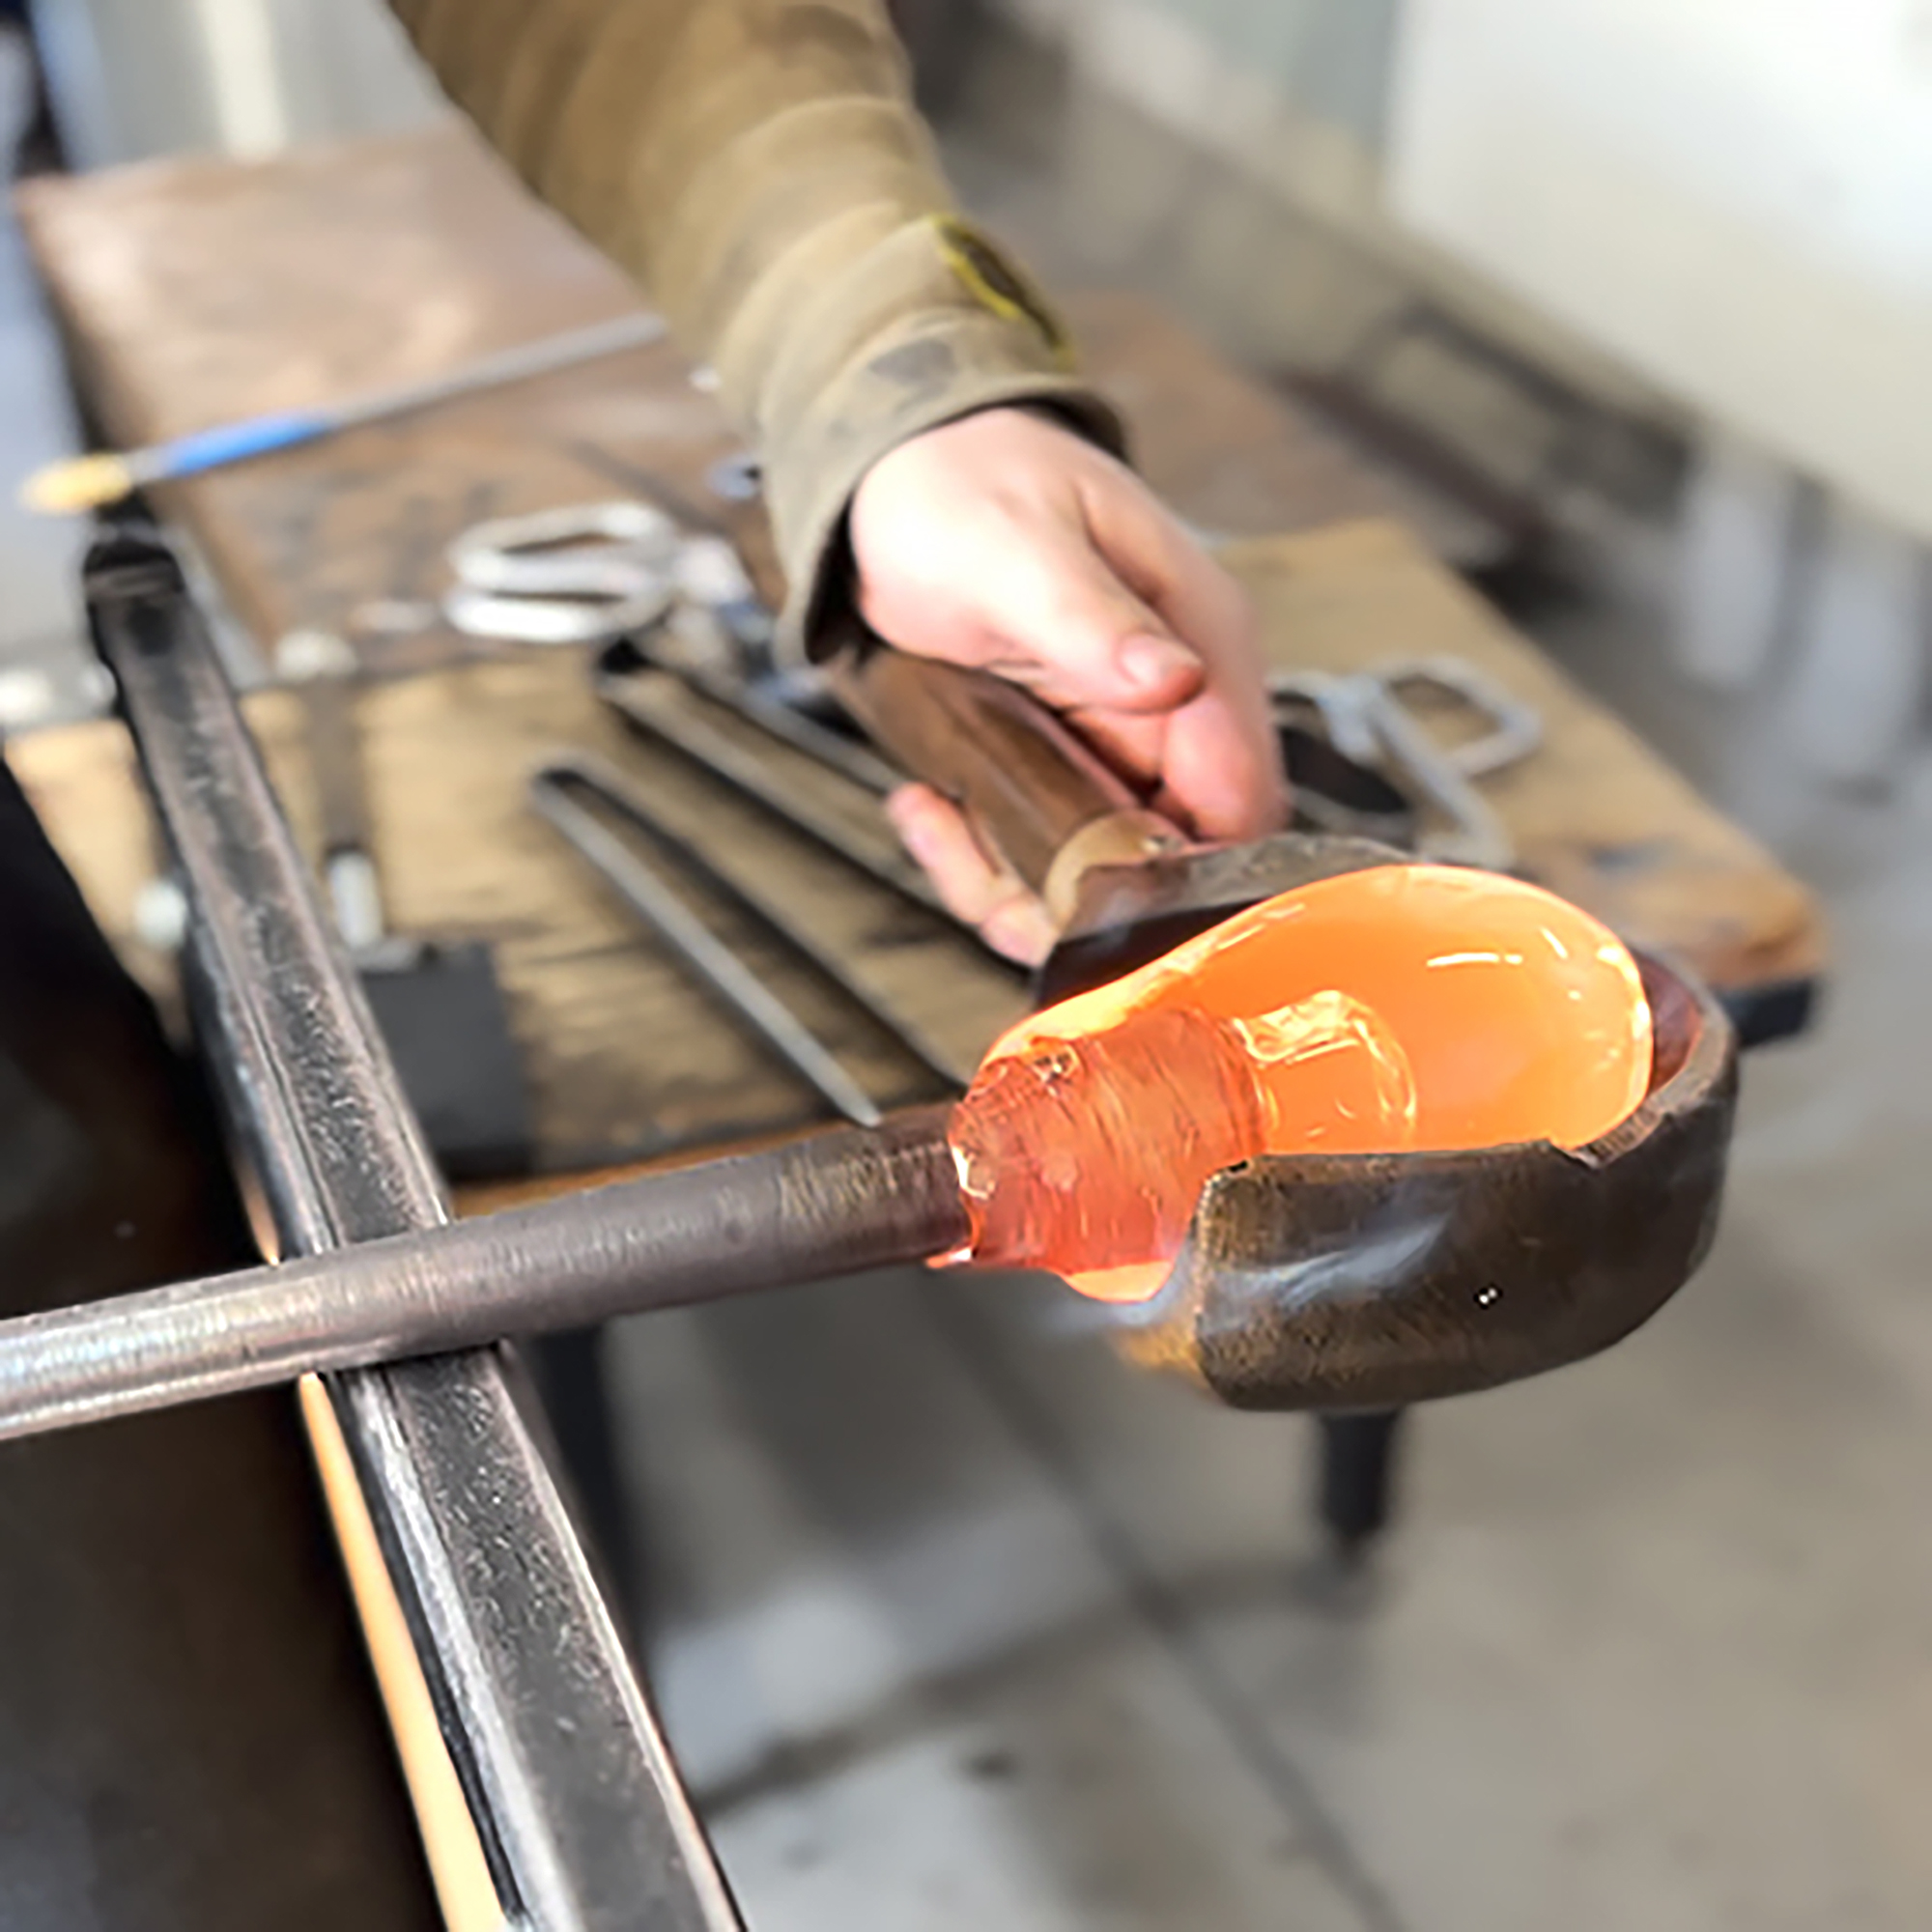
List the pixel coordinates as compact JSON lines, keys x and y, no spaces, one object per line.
{"x":1407,"y":1007}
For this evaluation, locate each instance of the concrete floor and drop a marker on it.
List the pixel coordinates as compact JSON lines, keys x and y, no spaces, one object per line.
{"x":956,"y":1623}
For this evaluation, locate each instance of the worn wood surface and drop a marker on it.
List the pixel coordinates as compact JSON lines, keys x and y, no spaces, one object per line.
{"x":198,"y":292}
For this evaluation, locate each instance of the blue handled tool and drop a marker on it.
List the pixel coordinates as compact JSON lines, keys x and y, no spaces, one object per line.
{"x":87,"y":482}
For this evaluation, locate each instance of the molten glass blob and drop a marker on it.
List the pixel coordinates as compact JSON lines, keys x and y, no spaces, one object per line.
{"x":1408,"y":1007}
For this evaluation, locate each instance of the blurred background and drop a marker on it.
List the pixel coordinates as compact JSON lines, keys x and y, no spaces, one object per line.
{"x":1629,"y":301}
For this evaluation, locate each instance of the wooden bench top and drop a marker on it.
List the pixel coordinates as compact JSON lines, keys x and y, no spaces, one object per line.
{"x":196,"y":292}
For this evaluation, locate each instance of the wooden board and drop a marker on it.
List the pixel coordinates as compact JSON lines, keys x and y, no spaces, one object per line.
{"x":198,"y":292}
{"x":629,"y":1060}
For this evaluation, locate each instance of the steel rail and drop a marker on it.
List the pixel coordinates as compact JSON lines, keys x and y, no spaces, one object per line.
{"x":579,"y":1806}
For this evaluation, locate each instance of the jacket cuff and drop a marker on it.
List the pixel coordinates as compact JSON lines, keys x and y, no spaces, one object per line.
{"x":827,"y":460}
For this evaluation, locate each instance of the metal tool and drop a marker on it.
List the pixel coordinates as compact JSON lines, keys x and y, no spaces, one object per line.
{"x":580,"y":574}
{"x":831,"y":1204}
{"x":1369,"y":720}
{"x":655,"y":900}
{"x":586,"y":573}
{"x":650,"y":702}
{"x":88,"y":482}
{"x":574,"y":1797}
{"x":1338,"y":795}
{"x":550,"y":788}
{"x":651,"y":896}
{"x":439,"y":1002}
{"x":763,"y":704}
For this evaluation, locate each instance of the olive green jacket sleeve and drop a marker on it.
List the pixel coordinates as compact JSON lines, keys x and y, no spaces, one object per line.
{"x":759,"y":166}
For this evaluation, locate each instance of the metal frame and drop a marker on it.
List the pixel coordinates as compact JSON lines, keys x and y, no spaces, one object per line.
{"x":581,"y":1816}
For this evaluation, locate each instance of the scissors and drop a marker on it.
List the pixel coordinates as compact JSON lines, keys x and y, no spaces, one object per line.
{"x":1368,"y":718}
{"x":585,"y":572}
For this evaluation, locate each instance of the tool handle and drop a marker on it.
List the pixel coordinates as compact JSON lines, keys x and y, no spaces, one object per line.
{"x":231,"y":442}
{"x":342,"y":798}
{"x":322,"y":669}
{"x":335,"y":760}
{"x":1037,"y":793}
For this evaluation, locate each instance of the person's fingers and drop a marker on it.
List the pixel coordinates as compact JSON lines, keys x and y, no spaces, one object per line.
{"x":1069,"y":624}
{"x":1020,"y":930}
{"x":972,"y":546}
{"x":972,"y":888}
{"x":1219,"y":760}
{"x":1003,"y":542}
{"x":1047,"y":612}
{"x":1219,"y":778}
{"x":936,"y":834}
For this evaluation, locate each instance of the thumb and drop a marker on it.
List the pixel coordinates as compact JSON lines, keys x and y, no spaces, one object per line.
{"x":1060,"y":620}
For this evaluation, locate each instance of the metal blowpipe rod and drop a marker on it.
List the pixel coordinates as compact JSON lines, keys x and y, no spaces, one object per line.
{"x":829,"y":1204}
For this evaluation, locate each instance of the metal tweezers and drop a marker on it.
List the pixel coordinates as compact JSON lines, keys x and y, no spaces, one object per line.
{"x":555,"y":791}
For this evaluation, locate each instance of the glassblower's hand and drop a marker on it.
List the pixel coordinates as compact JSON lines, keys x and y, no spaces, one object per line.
{"x":1007,"y":542}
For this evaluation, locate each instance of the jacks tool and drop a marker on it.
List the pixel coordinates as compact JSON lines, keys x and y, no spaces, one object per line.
{"x":555,"y":789}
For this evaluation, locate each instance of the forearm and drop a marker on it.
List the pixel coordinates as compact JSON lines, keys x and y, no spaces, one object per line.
{"x":758,"y":165}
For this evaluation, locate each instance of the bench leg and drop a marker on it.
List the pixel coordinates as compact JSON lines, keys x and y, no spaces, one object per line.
{"x":1357,"y":1477}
